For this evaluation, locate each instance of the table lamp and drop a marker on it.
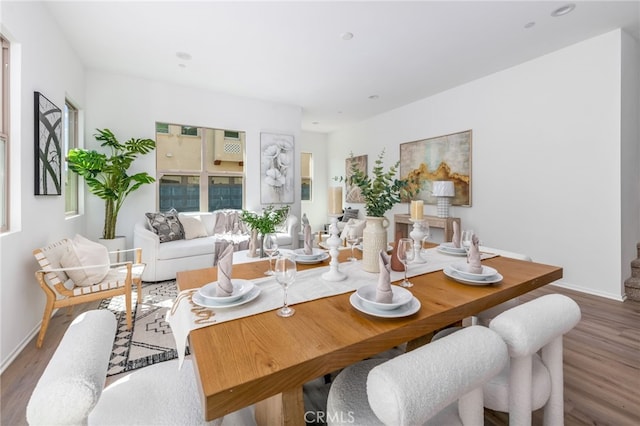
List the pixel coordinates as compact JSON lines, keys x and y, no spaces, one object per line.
{"x":444,"y":191}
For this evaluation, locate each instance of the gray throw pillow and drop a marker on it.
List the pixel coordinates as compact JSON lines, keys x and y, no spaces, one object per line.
{"x":349,"y":214}
{"x":166,"y":225}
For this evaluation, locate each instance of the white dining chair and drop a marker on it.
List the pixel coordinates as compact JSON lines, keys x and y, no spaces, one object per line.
{"x":440,"y":382}
{"x":532,"y":381}
{"x":71,"y":389}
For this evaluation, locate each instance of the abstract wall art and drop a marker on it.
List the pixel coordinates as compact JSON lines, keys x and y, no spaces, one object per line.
{"x":445,"y":157}
{"x":48,"y":146}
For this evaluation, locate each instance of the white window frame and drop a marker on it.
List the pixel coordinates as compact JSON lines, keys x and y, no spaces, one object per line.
{"x":4,"y":135}
{"x":71,"y":141}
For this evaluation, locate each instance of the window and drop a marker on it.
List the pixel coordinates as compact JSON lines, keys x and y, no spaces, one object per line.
{"x":4,"y":136}
{"x":306,"y":171}
{"x":70,"y":142}
{"x":199,"y":169}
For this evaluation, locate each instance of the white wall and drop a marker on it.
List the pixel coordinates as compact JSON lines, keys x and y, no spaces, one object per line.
{"x":130,"y":107}
{"x":316,"y":209}
{"x":545,"y":158}
{"x":43,"y":62}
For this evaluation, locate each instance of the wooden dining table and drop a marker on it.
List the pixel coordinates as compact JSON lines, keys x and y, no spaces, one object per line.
{"x":264,"y":359}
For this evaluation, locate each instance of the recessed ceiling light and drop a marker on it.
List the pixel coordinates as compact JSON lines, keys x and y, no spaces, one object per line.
{"x":346,"y":36}
{"x":374,"y":97}
{"x":529,"y":25}
{"x":563,"y":10}
{"x":315,"y":122}
{"x":182,"y":65}
{"x":183,"y":55}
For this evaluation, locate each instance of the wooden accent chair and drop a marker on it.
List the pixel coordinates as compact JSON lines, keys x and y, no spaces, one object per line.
{"x":62,"y":292}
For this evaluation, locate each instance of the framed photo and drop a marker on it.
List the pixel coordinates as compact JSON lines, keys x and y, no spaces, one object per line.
{"x":353,"y":192}
{"x":277,"y":162}
{"x":445,"y":157}
{"x":48,"y":146}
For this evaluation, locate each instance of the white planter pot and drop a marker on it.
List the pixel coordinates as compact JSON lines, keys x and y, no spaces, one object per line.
{"x":118,"y":243}
{"x":374,"y":239}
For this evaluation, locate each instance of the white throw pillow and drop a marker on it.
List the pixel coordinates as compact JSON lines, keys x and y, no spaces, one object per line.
{"x":193,"y":227}
{"x":353,"y":225}
{"x":84,"y":252}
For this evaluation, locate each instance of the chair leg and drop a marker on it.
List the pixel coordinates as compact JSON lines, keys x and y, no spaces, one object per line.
{"x":138,"y":282}
{"x":552,"y":358}
{"x":127,"y":299}
{"x":520,"y":382}
{"x":46,"y":317}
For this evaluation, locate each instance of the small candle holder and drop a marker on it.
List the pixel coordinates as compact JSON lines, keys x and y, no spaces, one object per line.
{"x":417,"y":234}
{"x":333,"y":274}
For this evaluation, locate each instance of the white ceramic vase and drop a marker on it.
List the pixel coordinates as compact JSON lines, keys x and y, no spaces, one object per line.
{"x":374,"y":239}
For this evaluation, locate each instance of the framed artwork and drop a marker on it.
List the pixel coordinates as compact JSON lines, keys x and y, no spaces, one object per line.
{"x":276,"y":168}
{"x":353,"y":192}
{"x":445,"y":157}
{"x":48,"y":146}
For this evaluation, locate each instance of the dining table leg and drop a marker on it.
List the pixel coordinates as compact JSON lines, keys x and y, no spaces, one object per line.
{"x":286,"y":408}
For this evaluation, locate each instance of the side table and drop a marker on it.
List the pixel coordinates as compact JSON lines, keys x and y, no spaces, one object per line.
{"x":404,"y":225}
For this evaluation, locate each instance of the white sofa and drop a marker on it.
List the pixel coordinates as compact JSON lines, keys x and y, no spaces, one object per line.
{"x":165,"y":259}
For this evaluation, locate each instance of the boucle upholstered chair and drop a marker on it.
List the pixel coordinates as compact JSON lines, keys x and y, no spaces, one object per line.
{"x":439,"y":383}
{"x":61,"y":291}
{"x":532,"y":381}
{"x":70,"y":391}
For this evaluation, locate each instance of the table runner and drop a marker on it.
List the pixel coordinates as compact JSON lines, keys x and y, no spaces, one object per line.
{"x":308,"y":285}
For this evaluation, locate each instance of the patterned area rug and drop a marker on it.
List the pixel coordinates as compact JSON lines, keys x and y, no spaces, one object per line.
{"x":150,"y":340}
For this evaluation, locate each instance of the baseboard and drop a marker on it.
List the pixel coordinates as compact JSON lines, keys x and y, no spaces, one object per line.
{"x":590,"y":291}
{"x":18,"y":350}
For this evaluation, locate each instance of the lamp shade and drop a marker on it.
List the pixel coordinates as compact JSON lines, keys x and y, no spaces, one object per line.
{"x":443,"y":188}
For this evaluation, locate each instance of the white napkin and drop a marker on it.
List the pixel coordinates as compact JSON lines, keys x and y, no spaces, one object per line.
{"x":383,"y":290}
{"x":475,"y":267}
{"x":225,"y":265}
{"x":308,"y":239}
{"x":455,"y":239}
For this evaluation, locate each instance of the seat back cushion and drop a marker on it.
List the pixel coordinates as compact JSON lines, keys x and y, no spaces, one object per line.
{"x":531,"y":325}
{"x":72,"y":383}
{"x":83,"y":252}
{"x":412,"y":388}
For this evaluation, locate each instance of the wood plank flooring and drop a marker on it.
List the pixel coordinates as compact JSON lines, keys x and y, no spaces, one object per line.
{"x":601,"y":366}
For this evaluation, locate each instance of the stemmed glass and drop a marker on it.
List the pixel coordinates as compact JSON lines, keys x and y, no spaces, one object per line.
{"x":285,"y":275}
{"x":405,"y":255}
{"x":270,"y":246}
{"x":465,"y":241}
{"x":352,"y":240}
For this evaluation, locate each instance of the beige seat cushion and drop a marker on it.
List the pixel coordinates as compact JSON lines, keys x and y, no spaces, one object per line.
{"x":83,"y":253}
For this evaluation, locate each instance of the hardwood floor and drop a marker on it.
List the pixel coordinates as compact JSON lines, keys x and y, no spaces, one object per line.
{"x":601,"y":366}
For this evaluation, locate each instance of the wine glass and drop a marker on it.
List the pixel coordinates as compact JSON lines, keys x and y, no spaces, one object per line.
{"x":465,"y":241}
{"x":270,"y":246}
{"x":405,"y":255}
{"x":352,"y":240}
{"x":285,"y":272}
{"x":425,"y":244}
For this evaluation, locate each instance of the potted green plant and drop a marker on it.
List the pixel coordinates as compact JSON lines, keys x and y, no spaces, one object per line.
{"x":107,"y":175}
{"x":380,"y":192}
{"x":265,"y":222}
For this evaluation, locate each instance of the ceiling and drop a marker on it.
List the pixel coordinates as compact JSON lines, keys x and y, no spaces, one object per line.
{"x":294,"y":52}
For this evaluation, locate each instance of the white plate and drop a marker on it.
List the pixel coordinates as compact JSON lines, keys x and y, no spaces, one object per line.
{"x":240,"y":288}
{"x":359,"y":247}
{"x":463,"y":270}
{"x":450,"y":253}
{"x":401,"y":296}
{"x":322,"y":258}
{"x":455,"y":276}
{"x":403,"y":311}
{"x":201,"y":301}
{"x":300,"y":255}
{"x":449,"y":247}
